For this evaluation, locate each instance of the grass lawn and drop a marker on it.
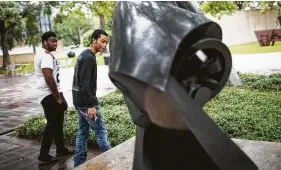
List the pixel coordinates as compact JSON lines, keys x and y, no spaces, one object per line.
{"x":254,"y":47}
{"x":99,"y":58}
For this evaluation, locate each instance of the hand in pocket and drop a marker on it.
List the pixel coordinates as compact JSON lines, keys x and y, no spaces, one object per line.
{"x":64,"y":103}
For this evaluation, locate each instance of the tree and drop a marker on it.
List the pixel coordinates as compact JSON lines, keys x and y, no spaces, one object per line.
{"x":102,"y":9}
{"x":220,"y":8}
{"x":266,"y":5}
{"x":71,"y":26}
{"x":13,"y":25}
{"x":20,"y":19}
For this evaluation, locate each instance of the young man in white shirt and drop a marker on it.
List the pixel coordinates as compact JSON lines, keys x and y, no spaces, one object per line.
{"x":52,"y":100}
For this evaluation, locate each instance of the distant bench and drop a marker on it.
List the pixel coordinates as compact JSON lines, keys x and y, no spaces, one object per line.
{"x":265,"y":37}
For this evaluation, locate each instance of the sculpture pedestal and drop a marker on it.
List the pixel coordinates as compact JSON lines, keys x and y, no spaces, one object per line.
{"x":266,"y":156}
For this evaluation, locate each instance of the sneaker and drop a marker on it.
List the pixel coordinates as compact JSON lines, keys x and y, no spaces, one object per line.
{"x":65,"y":152}
{"x":47,"y":158}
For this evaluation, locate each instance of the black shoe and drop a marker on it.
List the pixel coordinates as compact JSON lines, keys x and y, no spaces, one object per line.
{"x":47,"y":158}
{"x":65,"y":152}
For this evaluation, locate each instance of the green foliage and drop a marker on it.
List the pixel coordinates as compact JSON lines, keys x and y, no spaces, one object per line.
{"x":33,"y":128}
{"x":102,"y":9}
{"x":15,"y":24}
{"x":87,"y":39}
{"x":71,"y":26}
{"x":72,"y":61}
{"x":20,"y":18}
{"x":116,"y":117}
{"x":249,"y":112}
{"x":219,"y":8}
{"x":262,"y":82}
{"x":254,"y":48}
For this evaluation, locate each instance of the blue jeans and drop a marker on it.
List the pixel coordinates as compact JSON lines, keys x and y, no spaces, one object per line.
{"x":84,"y":125}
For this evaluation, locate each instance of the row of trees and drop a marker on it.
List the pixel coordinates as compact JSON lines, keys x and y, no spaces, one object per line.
{"x":20,"y":21}
{"x":74,"y":19}
{"x":220,"y":8}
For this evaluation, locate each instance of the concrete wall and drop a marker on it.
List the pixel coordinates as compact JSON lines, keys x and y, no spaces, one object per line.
{"x":239,"y":28}
{"x":20,"y":58}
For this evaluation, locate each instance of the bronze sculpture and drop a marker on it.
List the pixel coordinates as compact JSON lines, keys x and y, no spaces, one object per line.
{"x":168,"y":60}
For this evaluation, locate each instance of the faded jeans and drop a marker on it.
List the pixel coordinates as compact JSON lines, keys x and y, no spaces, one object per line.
{"x":84,"y":125}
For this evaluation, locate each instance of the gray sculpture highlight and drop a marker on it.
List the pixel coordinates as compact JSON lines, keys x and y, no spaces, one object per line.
{"x":168,"y":60}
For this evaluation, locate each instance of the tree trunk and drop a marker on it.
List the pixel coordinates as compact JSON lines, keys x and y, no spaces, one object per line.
{"x":4,"y":44}
{"x":102,"y":23}
{"x":79,"y":37}
{"x":239,"y":4}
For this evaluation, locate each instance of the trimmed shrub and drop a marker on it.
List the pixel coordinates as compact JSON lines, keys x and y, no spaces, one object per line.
{"x":250,"y":112}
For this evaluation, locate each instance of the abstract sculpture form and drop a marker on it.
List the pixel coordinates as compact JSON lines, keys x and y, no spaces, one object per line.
{"x":168,"y":60}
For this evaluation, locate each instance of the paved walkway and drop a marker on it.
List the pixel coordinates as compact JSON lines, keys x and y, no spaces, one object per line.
{"x":21,"y":154}
{"x":18,"y":101}
{"x":265,"y":63}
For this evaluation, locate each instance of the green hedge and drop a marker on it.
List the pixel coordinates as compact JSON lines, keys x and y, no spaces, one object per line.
{"x":261,"y":82}
{"x":249,"y":112}
{"x":116,"y":116}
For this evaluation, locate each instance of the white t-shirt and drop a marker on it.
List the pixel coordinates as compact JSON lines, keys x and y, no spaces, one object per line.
{"x":44,"y":59}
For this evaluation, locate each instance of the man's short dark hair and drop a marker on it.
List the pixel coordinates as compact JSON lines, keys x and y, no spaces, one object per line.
{"x":47,"y":35}
{"x":97,"y":33}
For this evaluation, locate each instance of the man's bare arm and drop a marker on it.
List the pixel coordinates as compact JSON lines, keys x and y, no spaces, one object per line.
{"x":49,"y":78}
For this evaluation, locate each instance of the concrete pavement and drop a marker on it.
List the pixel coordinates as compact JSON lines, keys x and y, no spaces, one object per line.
{"x":266,"y":155}
{"x":265,"y":63}
{"x":18,"y":101}
{"x":22,"y":154}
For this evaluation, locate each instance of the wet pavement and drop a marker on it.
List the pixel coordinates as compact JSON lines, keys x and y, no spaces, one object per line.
{"x":18,"y":101}
{"x":22,"y":154}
